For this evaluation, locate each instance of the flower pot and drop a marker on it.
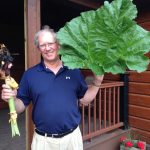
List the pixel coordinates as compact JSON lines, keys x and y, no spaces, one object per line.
{"x":127,"y":148}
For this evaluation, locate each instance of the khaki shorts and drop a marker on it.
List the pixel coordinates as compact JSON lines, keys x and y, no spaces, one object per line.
{"x":72,"y":141}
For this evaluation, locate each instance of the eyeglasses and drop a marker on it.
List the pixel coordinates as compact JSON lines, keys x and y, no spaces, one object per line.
{"x":43,"y":46}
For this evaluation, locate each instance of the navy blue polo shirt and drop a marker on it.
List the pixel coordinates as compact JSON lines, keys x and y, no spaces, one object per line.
{"x":54,"y":97}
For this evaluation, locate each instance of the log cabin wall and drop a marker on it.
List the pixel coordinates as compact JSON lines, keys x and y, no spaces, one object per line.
{"x":139,"y":88}
{"x":139,"y":85}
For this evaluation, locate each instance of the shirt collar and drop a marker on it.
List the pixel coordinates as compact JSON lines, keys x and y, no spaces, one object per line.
{"x":42,"y":67}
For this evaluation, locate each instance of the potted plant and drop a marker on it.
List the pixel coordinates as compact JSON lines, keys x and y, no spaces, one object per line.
{"x":131,"y":144}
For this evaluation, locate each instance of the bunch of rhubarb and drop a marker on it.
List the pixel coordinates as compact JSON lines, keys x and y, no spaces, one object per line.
{"x":5,"y":65}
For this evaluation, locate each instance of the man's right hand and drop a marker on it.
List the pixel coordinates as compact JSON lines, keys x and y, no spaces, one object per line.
{"x":7,"y":93}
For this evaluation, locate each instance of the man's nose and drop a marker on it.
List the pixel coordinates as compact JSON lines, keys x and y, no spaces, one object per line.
{"x":47,"y":47}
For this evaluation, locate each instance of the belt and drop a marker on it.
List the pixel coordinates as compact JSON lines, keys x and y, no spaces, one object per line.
{"x":54,"y":135}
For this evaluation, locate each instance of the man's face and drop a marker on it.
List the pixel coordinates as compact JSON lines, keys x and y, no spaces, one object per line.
{"x":48,"y":47}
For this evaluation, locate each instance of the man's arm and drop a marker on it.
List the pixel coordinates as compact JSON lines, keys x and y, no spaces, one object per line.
{"x":7,"y":93}
{"x":92,"y":90}
{"x":20,"y":107}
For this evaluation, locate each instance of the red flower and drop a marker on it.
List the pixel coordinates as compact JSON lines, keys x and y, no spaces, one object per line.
{"x":123,"y":139}
{"x":128,"y":144}
{"x":140,"y":145}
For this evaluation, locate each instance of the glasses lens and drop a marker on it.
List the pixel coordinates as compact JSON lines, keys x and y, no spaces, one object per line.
{"x":43,"y":46}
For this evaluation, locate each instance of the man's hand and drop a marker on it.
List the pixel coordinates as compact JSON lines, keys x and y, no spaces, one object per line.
{"x":98,"y":80}
{"x":7,"y":93}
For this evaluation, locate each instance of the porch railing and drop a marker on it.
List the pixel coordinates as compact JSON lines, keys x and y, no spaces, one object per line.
{"x":103,"y":114}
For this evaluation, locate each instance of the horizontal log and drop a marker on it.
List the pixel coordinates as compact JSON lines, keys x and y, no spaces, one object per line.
{"x":88,"y":3}
{"x":138,"y":111}
{"x":86,"y":72}
{"x":148,"y":67}
{"x":146,"y":24}
{"x":108,"y":76}
{"x":111,"y":77}
{"x":142,"y":135}
{"x":139,"y":100}
{"x":139,"y":77}
{"x":142,"y":124}
{"x":143,"y":17}
{"x":139,"y":88}
{"x":148,"y":55}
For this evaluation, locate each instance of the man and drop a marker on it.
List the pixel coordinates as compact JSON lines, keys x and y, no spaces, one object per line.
{"x":54,"y":91}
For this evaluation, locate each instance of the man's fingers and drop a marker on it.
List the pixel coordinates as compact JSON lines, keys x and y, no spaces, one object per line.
{"x":7,"y":92}
{"x":5,"y":86}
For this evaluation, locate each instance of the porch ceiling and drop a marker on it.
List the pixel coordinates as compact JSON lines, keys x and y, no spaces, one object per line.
{"x":141,"y":4}
{"x":10,"y":10}
{"x":9,"y":6}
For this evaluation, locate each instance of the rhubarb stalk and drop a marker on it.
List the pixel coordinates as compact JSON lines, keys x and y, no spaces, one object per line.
{"x":13,"y":114}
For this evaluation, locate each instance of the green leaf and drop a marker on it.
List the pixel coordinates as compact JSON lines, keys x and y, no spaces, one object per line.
{"x":138,"y":63}
{"x":105,"y":40}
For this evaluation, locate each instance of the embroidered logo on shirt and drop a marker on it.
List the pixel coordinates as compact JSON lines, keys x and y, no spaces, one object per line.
{"x":67,"y":77}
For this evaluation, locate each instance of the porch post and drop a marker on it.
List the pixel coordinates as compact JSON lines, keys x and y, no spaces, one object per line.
{"x":32,"y":57}
{"x":124,"y":100}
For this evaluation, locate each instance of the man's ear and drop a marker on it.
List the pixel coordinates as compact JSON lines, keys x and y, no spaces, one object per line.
{"x":58,"y":45}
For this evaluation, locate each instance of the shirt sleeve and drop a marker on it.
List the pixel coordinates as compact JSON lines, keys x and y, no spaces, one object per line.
{"x":23,"y":91}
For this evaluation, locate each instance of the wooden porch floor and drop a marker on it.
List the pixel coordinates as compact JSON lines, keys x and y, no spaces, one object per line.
{"x":16,"y":143}
{"x":6,"y":140}
{"x":19,"y":143}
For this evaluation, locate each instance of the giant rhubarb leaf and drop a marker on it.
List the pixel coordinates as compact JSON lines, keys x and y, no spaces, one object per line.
{"x":105,"y":40}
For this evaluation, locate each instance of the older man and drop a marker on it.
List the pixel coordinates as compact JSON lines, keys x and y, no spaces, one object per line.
{"x":54,"y":91}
